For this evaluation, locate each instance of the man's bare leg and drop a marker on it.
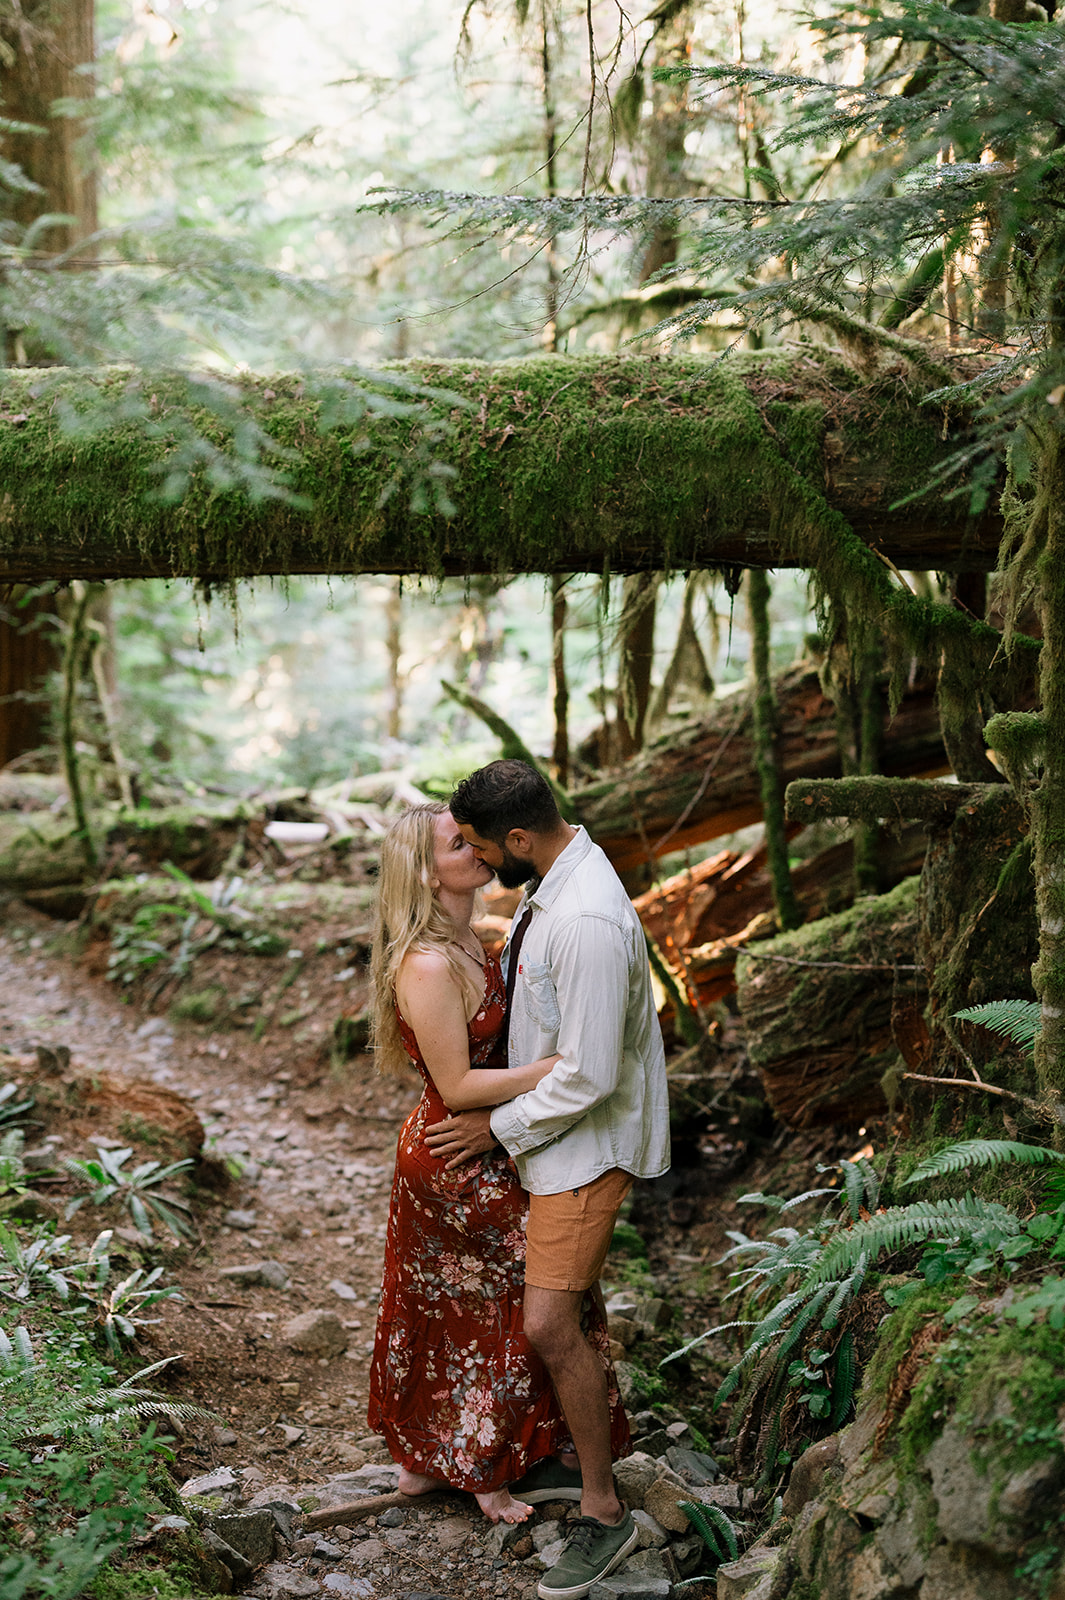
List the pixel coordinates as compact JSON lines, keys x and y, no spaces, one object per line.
{"x":553,"y":1328}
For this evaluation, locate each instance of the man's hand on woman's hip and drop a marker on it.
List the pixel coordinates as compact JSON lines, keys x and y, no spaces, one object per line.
{"x":461,"y":1137}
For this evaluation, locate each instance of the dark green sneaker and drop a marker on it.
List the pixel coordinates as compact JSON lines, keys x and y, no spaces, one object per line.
{"x":593,"y":1550}
{"x":548,"y":1480}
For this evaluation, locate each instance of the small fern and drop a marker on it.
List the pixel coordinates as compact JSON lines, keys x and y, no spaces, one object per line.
{"x":1018,"y":1020}
{"x":844,"y":1381}
{"x":717,"y":1532}
{"x":981,"y":1153}
{"x":968,"y":1218}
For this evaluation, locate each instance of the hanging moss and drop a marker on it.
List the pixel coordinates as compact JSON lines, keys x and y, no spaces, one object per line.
{"x":563,"y":464}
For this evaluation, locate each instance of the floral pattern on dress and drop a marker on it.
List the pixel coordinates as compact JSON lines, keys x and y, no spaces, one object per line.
{"x":455,"y":1387}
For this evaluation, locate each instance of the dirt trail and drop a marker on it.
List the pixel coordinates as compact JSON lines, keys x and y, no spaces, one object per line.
{"x":317,"y":1169}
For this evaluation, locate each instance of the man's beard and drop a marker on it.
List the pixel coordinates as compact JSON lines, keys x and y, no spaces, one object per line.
{"x":512,"y":873}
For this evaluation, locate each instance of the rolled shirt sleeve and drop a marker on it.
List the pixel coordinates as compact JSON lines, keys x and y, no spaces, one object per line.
{"x":591,"y":959}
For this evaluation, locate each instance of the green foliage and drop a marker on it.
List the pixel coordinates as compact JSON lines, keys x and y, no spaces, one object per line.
{"x":13,"y":1178}
{"x":1013,"y":1019}
{"x":164,"y":938}
{"x":77,"y":1468}
{"x":814,"y":1274}
{"x":717,"y":1531}
{"x":138,"y":1191}
{"x":40,"y":1271}
{"x":12,"y":1111}
{"x":981,"y":1153}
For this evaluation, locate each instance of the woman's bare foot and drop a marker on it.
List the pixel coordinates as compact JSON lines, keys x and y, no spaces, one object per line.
{"x":500,"y":1506}
{"x":418,"y":1482}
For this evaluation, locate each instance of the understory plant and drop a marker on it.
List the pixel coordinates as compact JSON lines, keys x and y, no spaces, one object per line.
{"x":138,"y":1191}
{"x":81,"y":1463}
{"x":41,"y":1270}
{"x":801,"y":1355}
{"x":165,"y":937}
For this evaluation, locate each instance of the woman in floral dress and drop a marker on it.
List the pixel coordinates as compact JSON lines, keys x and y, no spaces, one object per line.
{"x":455,"y":1388}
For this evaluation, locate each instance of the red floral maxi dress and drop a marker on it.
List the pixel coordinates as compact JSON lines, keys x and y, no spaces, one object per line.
{"x":455,"y":1387}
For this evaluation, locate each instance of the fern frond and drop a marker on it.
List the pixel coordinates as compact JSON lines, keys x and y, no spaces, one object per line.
{"x":854,"y":1187}
{"x":710,"y":1521}
{"x":843,"y":1380}
{"x":903,"y":1225}
{"x":845,"y":1291}
{"x":1018,"y":1020}
{"x":696,"y":1515}
{"x":981,"y":1153}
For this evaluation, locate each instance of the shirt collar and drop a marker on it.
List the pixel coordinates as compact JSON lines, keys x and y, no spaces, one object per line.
{"x":554,"y":880}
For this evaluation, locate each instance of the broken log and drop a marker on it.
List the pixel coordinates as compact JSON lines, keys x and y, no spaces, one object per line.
{"x":817,"y":1007}
{"x":698,"y":781}
{"x":631,"y":463}
{"x":701,"y":918}
{"x":884,"y":799}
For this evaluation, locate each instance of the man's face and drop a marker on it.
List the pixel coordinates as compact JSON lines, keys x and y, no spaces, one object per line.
{"x":507,"y":861}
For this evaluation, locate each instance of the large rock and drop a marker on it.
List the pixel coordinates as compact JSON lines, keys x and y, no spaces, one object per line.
{"x":252,"y":1533}
{"x":808,"y":1474}
{"x":316,"y":1333}
{"x":664,"y":1499}
{"x":736,"y":1579}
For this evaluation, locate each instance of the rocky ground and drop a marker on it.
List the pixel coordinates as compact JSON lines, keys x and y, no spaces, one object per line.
{"x":295,"y":1233}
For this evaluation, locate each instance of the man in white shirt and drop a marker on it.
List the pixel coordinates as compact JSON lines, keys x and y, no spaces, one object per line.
{"x":577,"y":971}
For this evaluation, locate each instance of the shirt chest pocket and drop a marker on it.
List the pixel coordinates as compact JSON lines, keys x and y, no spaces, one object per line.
{"x":541,"y":1001}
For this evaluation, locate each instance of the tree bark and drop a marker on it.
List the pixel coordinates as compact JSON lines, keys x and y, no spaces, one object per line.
{"x":567,"y":465}
{"x":765,"y":752}
{"x":699,"y":780}
{"x":39,"y":53}
{"x":49,"y":41}
{"x":817,"y":1007}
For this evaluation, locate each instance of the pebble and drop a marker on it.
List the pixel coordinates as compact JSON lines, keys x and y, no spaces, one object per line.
{"x":243,"y":1221}
{"x":348,"y":1588}
{"x":343,"y":1291}
{"x":316,"y":1333}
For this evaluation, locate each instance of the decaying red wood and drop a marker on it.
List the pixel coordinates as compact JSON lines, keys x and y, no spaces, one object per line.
{"x":701,"y":918}
{"x":663,"y":800}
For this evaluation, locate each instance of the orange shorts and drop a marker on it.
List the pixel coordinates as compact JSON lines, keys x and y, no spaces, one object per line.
{"x":568,"y":1234}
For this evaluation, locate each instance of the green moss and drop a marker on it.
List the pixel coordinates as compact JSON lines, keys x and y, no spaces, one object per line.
{"x":203,"y":1005}
{"x":572,"y":462}
{"x":1005,"y":1384}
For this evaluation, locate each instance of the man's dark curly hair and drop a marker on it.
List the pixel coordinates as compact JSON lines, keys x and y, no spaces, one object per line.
{"x":505,"y":795}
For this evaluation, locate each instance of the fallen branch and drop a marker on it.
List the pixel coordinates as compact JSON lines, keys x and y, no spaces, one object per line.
{"x":342,"y":1516}
{"x":846,"y":966}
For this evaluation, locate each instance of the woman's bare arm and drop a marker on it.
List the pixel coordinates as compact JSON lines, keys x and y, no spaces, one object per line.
{"x":431,"y":1003}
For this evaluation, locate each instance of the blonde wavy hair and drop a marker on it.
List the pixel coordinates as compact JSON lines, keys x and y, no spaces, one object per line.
{"x":409,"y":917}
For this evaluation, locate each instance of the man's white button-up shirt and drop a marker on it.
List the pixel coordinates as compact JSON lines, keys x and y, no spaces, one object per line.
{"x":583,"y":989}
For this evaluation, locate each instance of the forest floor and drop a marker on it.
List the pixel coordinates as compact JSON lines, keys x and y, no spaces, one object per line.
{"x":315,"y":1144}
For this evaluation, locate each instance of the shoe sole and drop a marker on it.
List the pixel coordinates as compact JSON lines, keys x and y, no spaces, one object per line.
{"x":577,"y":1591}
{"x":535,"y":1497}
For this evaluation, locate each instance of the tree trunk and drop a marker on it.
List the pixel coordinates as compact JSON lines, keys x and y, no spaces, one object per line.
{"x":27,"y":656}
{"x":1048,"y":800}
{"x":765,"y":752}
{"x":39,"y":53}
{"x":560,"y":682}
{"x":44,"y":48}
{"x":636,"y":656}
{"x":817,"y":1006}
{"x":699,"y":781}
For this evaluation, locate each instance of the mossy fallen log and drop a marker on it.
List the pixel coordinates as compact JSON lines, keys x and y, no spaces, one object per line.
{"x":562,"y":465}
{"x":817,"y":1007}
{"x":699,"y":781}
{"x":40,"y":852}
{"x":885,"y":799}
